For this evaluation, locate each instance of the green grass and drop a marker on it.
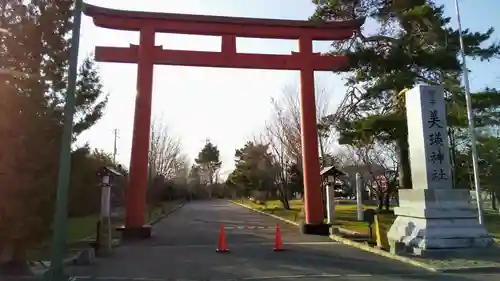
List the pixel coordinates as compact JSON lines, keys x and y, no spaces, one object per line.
{"x":276,"y":208}
{"x":346,"y":215}
{"x":83,"y":227}
{"x":155,"y":212}
{"x":492,"y":223}
{"x":80,"y":228}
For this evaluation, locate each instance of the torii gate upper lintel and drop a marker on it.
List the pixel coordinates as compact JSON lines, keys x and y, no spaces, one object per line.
{"x":147,"y":54}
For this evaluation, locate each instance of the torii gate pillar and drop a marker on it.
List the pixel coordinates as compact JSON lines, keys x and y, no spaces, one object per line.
{"x":136,"y":207}
{"x":314,"y":215}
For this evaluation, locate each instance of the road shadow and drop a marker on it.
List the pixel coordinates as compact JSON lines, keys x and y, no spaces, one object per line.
{"x":184,"y":244}
{"x":254,"y":262}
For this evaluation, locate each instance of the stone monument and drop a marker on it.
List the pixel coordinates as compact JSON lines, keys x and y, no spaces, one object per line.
{"x":432,"y":217}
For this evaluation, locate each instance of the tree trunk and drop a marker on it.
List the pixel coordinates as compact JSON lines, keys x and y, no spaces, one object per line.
{"x":381,"y":200}
{"x":285,"y":203}
{"x":494,"y":201}
{"x":13,"y":261}
{"x":404,"y":164}
{"x":497,"y":196}
{"x":396,"y":197}
{"x":387,"y":201}
{"x":322,"y":151}
{"x":284,"y":197}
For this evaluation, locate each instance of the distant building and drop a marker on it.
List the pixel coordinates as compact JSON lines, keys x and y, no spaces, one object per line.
{"x":373,"y":177}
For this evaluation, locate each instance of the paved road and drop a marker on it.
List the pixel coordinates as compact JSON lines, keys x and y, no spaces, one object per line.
{"x":183,"y":248}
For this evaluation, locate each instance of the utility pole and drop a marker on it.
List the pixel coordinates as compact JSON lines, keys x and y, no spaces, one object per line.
{"x":115,"y":135}
{"x":56,"y":272}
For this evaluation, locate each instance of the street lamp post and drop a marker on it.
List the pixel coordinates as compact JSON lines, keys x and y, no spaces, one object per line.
{"x":60,"y":216}
{"x":470,"y":118}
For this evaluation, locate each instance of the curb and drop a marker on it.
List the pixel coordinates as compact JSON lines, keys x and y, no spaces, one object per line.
{"x":373,"y":250}
{"x":264,"y":213}
{"x":344,"y":230}
{"x":152,"y":222}
{"x":382,"y":253}
{"x":157,"y":220}
{"x":350,"y":242}
{"x":349,"y":232}
{"x":70,"y":260}
{"x":407,"y":260}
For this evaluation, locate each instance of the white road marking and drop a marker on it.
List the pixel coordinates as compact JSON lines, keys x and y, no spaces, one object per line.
{"x":325,"y":275}
{"x":247,"y":279}
{"x":248,"y":227}
{"x":312,"y":243}
{"x":293,"y":276}
{"x":243,"y":279}
{"x":238,"y":244}
{"x":115,"y":278}
{"x":109,"y":278}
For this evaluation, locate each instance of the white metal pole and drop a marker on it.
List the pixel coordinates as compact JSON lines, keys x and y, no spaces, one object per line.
{"x":470,"y":117}
{"x":359,"y":197}
{"x":330,"y":202}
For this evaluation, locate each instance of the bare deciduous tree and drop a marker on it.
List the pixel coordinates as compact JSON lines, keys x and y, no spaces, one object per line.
{"x":165,"y":151}
{"x":378,"y":165}
{"x":284,"y":125}
{"x":274,"y":137}
{"x":282,"y":134}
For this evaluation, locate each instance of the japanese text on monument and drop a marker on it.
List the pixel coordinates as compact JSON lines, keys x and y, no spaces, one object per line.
{"x":436,"y":140}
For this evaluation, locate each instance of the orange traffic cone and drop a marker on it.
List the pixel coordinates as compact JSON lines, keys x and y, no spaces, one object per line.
{"x":222,"y":248}
{"x":278,"y":243}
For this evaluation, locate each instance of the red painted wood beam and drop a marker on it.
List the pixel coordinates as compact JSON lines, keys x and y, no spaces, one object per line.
{"x":216,"y":26}
{"x":216,"y":29}
{"x":295,"y":61}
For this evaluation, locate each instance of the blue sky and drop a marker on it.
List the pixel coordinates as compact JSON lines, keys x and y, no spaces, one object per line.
{"x":227,"y":106}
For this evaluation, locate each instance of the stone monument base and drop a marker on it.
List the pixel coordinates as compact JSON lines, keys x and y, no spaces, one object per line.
{"x":436,"y":221}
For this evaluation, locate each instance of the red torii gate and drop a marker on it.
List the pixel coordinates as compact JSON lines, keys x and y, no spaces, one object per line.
{"x":147,"y":54}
